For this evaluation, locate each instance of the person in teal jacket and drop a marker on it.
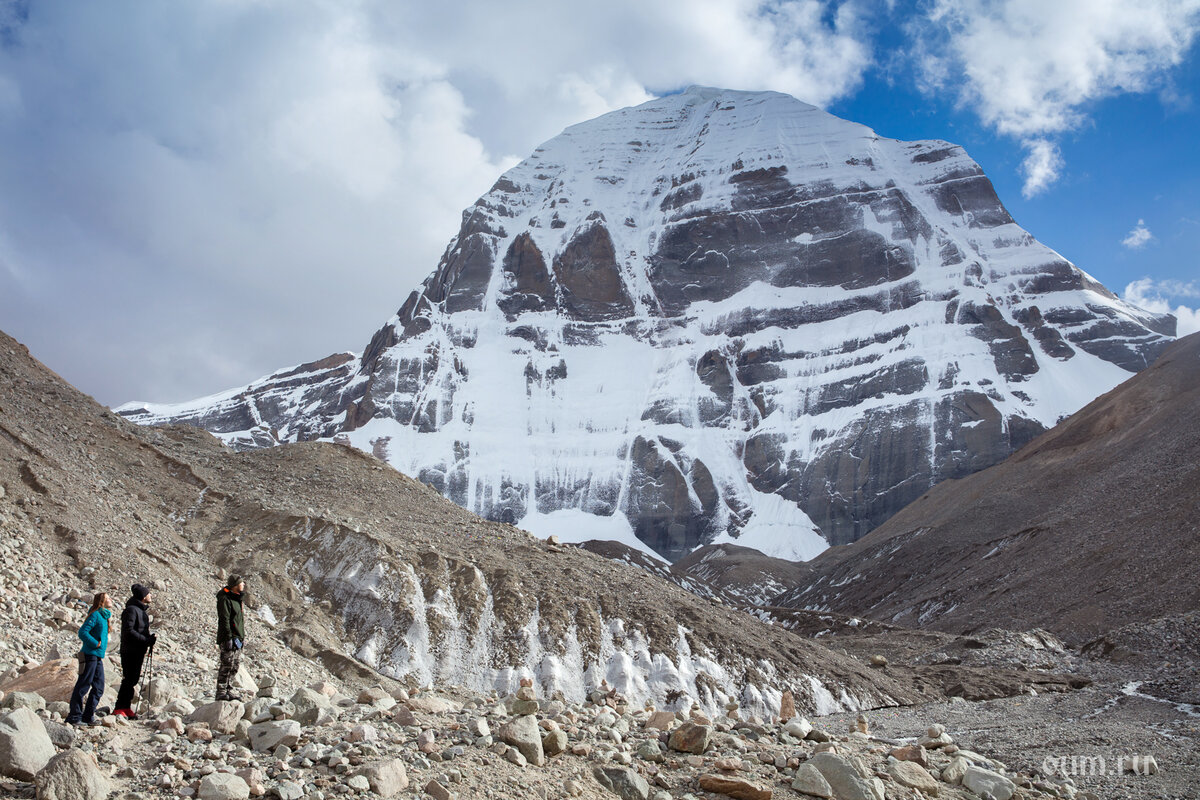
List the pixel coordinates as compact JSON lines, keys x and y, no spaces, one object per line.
{"x":90,"y":684}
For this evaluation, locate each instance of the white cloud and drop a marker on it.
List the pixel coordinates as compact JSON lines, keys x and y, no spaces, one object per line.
{"x":1139,"y":237}
{"x":1161,"y":297}
{"x":1041,"y":166}
{"x":203,"y":192}
{"x":1030,"y":68}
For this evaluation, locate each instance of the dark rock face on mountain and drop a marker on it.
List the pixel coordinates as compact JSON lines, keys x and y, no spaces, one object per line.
{"x":716,"y":316}
{"x":1091,"y":526}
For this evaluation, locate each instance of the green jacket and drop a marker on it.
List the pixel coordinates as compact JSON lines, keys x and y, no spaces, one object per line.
{"x":230,"y":622}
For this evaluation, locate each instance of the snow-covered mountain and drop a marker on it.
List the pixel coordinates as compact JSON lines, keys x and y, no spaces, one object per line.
{"x":718,"y":315}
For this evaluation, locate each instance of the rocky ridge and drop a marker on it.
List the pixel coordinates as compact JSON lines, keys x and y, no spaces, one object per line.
{"x":716,"y":316}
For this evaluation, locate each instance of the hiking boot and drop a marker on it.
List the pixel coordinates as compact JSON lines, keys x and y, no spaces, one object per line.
{"x":127,"y":713}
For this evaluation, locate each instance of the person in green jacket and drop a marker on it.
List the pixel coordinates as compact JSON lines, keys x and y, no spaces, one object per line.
{"x":231,"y":633}
{"x":90,"y":683}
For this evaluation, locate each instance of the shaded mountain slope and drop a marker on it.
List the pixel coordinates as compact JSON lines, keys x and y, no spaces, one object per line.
{"x":1093,"y":525}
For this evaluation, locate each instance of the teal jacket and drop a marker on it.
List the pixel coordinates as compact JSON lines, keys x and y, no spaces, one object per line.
{"x":94,"y":633}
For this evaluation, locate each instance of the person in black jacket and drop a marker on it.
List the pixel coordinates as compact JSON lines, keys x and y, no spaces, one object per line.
{"x":136,"y":640}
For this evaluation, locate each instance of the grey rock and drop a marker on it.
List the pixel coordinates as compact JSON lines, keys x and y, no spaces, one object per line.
{"x":624,"y":783}
{"x":223,"y":786}
{"x":61,"y":735}
{"x":31,"y":700}
{"x":651,"y":751}
{"x":554,"y":742}
{"x":25,"y":747}
{"x":980,"y":780}
{"x":309,"y":705}
{"x":523,"y":733}
{"x":287,"y":790}
{"x":846,"y":779}
{"x":72,"y":775}
{"x":221,"y":716}
{"x":387,"y":778}
{"x":266,"y":736}
{"x":953,"y":774}
{"x":809,"y":780}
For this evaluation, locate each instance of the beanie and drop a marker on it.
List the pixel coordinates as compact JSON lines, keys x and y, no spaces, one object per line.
{"x":139,"y":591}
{"x":233,"y":581}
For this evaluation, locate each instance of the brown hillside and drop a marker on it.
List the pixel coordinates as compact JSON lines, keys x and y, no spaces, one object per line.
{"x":1093,"y":525}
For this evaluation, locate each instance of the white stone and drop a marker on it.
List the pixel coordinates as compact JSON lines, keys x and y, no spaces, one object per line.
{"x":798,"y":727}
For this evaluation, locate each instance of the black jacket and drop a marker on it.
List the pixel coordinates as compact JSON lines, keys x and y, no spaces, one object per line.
{"x":135,"y":627}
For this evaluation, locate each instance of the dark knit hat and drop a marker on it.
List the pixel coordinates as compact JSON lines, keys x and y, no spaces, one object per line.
{"x":139,"y":591}
{"x":233,"y":581}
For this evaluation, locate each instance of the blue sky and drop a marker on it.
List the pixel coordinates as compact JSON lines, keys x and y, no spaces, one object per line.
{"x":195,"y":194}
{"x":1133,"y":159}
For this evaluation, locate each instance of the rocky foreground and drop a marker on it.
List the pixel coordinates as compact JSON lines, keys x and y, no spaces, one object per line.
{"x":316,"y":742}
{"x":304,"y":731}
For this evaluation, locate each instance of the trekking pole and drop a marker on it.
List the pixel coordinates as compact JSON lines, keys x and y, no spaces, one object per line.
{"x":145,"y":704}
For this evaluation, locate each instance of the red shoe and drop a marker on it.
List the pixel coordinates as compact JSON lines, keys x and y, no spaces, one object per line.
{"x":127,"y":713}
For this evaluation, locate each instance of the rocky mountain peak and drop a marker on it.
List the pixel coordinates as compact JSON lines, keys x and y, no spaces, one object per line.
{"x":716,"y":316}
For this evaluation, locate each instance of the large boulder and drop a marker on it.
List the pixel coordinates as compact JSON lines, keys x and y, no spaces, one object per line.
{"x":223,"y":786}
{"x":624,"y":783}
{"x":847,"y":780}
{"x":163,"y":690}
{"x":71,"y":775}
{"x":309,"y":704}
{"x":53,"y":680}
{"x":266,"y":736}
{"x":690,"y":738}
{"x":221,"y":716}
{"x":523,"y":733}
{"x":386,"y":778}
{"x":913,"y":775}
{"x":980,"y":780}
{"x":17,"y":699}
{"x":25,"y":747}
{"x":809,"y":780}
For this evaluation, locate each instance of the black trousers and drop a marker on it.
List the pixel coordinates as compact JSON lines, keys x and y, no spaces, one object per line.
{"x":131,"y":673}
